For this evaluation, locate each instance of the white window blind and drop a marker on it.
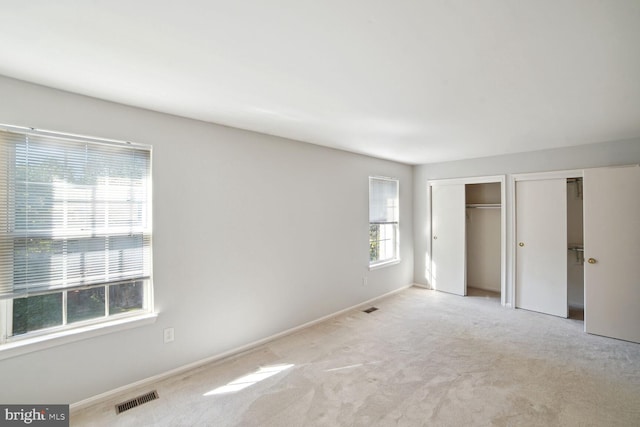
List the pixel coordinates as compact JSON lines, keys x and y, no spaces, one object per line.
{"x":383,"y":200}
{"x":74,"y":213}
{"x":383,"y":220}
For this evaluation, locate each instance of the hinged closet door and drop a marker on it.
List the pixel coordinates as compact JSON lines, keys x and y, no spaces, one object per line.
{"x":448,"y":243}
{"x":612,"y":252}
{"x":541,"y":246}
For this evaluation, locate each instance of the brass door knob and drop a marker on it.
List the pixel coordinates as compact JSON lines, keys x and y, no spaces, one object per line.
{"x":521,"y":244}
{"x":592,"y":261}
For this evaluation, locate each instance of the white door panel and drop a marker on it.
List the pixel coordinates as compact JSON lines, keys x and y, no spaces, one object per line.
{"x":448,"y":246}
{"x":541,"y":246}
{"x":612,"y":239}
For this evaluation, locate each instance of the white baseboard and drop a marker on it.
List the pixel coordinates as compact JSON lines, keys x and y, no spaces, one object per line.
{"x":121,"y":390}
{"x":420,"y":285}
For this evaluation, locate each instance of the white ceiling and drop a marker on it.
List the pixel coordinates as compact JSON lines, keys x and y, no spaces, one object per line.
{"x":408,"y":80}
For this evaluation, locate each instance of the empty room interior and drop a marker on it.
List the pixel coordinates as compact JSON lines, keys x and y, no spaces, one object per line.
{"x":321,"y":213}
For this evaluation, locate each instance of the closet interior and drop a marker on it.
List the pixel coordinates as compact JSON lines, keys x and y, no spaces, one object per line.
{"x":483,"y":235}
{"x":575,"y":252}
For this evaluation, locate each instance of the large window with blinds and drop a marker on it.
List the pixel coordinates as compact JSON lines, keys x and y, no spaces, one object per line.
{"x":75,"y":232}
{"x":383,"y":221}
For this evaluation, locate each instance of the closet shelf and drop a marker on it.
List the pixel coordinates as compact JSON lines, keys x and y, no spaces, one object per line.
{"x":483,"y":206}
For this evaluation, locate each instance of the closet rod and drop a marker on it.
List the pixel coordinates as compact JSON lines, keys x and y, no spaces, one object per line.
{"x":579,"y":250}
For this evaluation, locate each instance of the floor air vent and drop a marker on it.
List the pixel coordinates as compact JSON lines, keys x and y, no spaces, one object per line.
{"x":136,"y":401}
{"x":370,"y":310}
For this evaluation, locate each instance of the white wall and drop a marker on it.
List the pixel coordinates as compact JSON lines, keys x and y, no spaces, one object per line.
{"x":253,"y":235}
{"x":586,"y":156}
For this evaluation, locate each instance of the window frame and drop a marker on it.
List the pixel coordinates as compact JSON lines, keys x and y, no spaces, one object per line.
{"x":373,"y":265}
{"x":38,"y":339}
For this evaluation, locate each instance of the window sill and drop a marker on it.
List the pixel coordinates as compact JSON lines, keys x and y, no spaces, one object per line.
{"x":29,"y":345}
{"x":384,"y":264}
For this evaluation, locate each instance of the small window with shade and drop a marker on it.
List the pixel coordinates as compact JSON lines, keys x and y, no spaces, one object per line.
{"x":383,"y":221}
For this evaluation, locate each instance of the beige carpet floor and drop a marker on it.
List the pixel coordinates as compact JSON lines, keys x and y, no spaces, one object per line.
{"x":424,"y":358}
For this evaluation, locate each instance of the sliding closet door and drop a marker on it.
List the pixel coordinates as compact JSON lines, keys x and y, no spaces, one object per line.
{"x":541,"y":251}
{"x":448,"y":245}
{"x":612,"y":252}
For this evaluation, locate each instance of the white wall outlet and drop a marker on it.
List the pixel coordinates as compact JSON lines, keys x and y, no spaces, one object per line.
{"x":364,"y":281}
{"x":168,"y":335}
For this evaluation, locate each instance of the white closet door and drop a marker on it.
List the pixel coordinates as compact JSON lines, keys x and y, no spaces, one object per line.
{"x":541,"y":251}
{"x":612,"y":241}
{"x":448,"y":248}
